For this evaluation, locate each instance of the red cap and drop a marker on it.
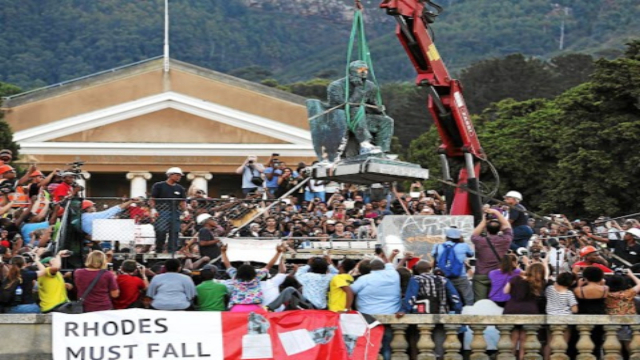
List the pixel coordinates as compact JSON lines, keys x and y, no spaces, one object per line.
{"x":36,"y":173}
{"x":587,"y":250}
{"x":6,"y":168}
{"x":87,"y":204}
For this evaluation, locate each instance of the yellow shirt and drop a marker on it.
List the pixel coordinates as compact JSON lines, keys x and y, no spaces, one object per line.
{"x":51,"y":290}
{"x":337,"y":296}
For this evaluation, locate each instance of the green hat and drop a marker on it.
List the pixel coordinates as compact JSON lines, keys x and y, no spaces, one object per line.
{"x":46,"y":260}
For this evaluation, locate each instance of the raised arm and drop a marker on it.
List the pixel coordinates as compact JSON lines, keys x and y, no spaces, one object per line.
{"x":394,"y":253}
{"x":279,"y":250}
{"x":480,"y":228}
{"x":25,"y":177}
{"x":225,"y":258}
{"x":44,"y":182}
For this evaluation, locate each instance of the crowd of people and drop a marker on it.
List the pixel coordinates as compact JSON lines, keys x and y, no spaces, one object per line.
{"x":524,"y":265}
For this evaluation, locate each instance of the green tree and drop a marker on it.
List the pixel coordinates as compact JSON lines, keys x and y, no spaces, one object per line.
{"x":521,"y":78}
{"x":252,"y":73}
{"x":314,"y":88}
{"x":571,"y":154}
{"x":6,"y":134}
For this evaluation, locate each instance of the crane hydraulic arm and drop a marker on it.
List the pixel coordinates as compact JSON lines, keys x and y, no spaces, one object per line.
{"x":445,"y":103}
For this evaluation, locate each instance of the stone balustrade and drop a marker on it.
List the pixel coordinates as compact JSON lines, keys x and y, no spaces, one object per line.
{"x":612,"y":347}
{"x":30,"y":336}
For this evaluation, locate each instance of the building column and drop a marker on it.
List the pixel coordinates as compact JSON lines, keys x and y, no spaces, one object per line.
{"x":138,"y":183}
{"x":200,"y":180}
{"x":82,"y":181}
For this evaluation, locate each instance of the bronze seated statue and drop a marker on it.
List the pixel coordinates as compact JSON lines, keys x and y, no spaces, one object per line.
{"x":367,"y":129}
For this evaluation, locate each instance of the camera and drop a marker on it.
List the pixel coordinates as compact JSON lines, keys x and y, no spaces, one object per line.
{"x":620,"y":271}
{"x":6,"y":188}
{"x":76,"y":168}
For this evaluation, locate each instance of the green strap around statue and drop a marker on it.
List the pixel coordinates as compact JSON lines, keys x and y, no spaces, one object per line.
{"x":357,"y":34}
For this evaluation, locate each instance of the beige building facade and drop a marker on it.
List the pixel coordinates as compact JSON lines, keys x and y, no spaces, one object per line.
{"x":130,"y":124}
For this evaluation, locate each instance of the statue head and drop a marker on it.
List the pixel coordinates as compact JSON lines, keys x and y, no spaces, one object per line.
{"x":358,"y":71}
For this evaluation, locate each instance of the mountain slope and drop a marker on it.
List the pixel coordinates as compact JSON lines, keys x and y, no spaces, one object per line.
{"x":45,"y":42}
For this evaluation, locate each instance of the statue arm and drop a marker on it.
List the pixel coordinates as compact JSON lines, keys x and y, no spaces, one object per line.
{"x":372,"y":98}
{"x":335,"y":94}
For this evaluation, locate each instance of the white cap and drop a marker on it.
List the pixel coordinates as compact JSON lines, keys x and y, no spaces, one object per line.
{"x":202,"y":218}
{"x":634,"y":232}
{"x":174,"y":170}
{"x":514,"y":194}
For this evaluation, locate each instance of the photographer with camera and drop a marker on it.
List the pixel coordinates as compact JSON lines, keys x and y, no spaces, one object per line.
{"x":272,"y":173}
{"x":489,"y":249}
{"x":132,"y":282}
{"x":251,"y":171}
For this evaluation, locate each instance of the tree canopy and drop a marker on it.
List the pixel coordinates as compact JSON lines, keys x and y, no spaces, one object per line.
{"x":6,"y":134}
{"x":572,"y":154}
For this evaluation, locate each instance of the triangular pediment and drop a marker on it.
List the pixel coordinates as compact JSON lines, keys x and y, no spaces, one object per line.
{"x":135,"y":120}
{"x":170,"y":126}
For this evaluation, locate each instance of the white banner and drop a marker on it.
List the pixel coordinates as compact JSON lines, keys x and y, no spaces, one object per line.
{"x":138,"y":334}
{"x":251,"y":250}
{"x":122,"y":230}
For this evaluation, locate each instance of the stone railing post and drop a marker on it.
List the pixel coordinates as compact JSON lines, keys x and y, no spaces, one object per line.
{"x":426,"y":346}
{"x":634,"y":345}
{"x":585,"y":346}
{"x":532,"y":345}
{"x":478,"y":344}
{"x":452,"y":344}
{"x":557,"y":343}
{"x":611,"y":346}
{"x":399,"y":343}
{"x":505,"y":346}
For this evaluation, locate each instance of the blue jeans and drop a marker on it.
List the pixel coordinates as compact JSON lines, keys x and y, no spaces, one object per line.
{"x":163,"y":228}
{"x":385,"y":349}
{"x":309,"y":196}
{"x":23,"y":309}
{"x":463,"y":285}
{"x":521,"y":236}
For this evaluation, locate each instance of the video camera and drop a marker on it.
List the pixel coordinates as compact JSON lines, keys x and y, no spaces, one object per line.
{"x":76,"y":168}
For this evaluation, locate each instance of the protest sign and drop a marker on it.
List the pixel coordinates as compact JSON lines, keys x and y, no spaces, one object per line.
{"x":137,"y":334}
{"x":148,"y":335}
{"x":251,"y":250}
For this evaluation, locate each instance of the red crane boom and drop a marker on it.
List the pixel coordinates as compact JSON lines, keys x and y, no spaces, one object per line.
{"x":446,"y":102}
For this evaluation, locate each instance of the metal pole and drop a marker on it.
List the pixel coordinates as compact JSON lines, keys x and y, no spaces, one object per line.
{"x":276,"y":201}
{"x":166,"y":35}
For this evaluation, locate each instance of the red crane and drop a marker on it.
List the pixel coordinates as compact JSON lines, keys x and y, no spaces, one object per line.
{"x":445,"y":103}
